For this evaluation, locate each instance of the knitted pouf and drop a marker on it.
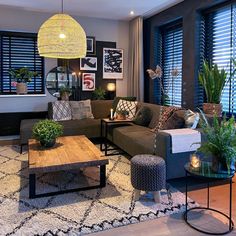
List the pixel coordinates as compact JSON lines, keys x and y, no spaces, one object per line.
{"x":148,"y":172}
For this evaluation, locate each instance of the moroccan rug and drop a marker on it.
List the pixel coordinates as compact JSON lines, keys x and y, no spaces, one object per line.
{"x":74,"y":213}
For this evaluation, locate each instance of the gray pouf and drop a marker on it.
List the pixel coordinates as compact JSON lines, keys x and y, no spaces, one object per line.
{"x":148,"y":173}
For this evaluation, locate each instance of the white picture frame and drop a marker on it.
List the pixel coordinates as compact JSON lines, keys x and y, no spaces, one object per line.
{"x":88,"y":81}
{"x":88,"y":63}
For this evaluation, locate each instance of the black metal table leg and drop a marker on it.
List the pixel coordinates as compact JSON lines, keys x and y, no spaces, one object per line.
{"x":105,"y":141}
{"x":32,"y":186}
{"x":101,"y":135}
{"x":208,"y":194}
{"x":186,"y":194}
{"x":102,"y":176}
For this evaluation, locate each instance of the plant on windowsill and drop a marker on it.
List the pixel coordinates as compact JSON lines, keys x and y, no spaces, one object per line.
{"x":46,"y":131}
{"x":65,"y":92}
{"x":21,"y":77}
{"x":121,"y":114}
{"x":220,"y":143}
{"x":213,"y":81}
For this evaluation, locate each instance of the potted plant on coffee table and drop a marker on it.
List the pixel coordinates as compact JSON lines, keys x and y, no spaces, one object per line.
{"x":65,"y":93}
{"x":21,"y":77}
{"x":220,"y":143}
{"x":121,"y":114}
{"x":213,"y":81}
{"x":46,"y":131}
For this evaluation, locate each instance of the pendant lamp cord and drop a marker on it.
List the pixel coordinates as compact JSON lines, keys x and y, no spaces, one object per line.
{"x":62,"y":6}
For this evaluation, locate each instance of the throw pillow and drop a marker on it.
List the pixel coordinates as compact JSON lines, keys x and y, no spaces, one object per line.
{"x":166,"y":113}
{"x":81,"y":109}
{"x":175,"y":121}
{"x":191,"y":119}
{"x":117,"y":99}
{"x":128,"y":106}
{"x":61,"y":110}
{"x":143,"y":116}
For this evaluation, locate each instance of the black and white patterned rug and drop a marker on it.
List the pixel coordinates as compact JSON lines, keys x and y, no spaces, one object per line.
{"x":74,"y":213}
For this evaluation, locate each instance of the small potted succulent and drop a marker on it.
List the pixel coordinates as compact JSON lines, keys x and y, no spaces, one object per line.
{"x":22,"y":76}
{"x":121,"y":114}
{"x":46,"y":131}
{"x":65,"y":93}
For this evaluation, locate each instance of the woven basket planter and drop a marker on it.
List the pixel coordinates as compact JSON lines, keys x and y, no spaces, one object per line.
{"x":21,"y":88}
{"x":212,"y":109}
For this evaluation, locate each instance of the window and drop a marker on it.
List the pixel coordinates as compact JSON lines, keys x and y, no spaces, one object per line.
{"x":18,"y":50}
{"x":170,"y":58}
{"x":220,"y":47}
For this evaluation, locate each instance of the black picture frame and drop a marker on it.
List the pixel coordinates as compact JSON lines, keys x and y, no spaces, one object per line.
{"x":91,"y":46}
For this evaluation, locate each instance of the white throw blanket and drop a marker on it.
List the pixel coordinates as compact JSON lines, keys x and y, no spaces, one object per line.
{"x":184,"y":140}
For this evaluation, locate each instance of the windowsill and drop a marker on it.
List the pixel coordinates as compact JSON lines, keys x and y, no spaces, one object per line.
{"x":26,"y":95}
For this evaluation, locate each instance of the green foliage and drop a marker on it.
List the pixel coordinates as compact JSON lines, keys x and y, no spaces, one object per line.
{"x":122,"y":112}
{"x":22,"y":75}
{"x":213,"y":81}
{"x":99,"y":94}
{"x":47,"y":130}
{"x":220,"y":138}
{"x":64,"y":89}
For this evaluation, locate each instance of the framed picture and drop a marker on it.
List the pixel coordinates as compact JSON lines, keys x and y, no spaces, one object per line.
{"x":91,"y":46}
{"x":112,"y":63}
{"x":88,"y":63}
{"x":88,"y":81}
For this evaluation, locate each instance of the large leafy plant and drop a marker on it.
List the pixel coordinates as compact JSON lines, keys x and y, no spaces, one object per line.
{"x":220,"y":139}
{"x":47,"y":130}
{"x":22,"y":75}
{"x":213,"y":81}
{"x":99,"y":94}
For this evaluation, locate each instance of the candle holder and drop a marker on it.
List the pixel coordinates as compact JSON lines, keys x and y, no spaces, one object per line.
{"x":111,"y":117}
{"x":195,"y":162}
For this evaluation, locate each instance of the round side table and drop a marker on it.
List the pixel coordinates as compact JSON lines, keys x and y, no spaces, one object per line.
{"x":205,"y":173}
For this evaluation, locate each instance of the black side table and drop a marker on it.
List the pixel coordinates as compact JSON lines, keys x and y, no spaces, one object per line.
{"x":104,"y":133}
{"x":205,"y":173}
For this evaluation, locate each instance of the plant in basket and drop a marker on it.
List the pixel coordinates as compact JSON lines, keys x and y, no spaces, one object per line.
{"x":46,"y":131}
{"x":121,"y":114}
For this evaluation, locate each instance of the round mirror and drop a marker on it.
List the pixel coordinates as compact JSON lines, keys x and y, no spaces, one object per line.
{"x":58,"y":77}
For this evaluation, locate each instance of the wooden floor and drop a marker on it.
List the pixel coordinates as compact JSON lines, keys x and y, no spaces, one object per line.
{"x":175,"y":225}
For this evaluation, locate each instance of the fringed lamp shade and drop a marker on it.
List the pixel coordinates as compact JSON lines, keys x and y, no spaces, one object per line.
{"x":62,"y":37}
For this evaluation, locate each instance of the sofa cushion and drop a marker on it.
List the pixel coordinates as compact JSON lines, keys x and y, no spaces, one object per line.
{"x":117,"y":99}
{"x":81,"y":109}
{"x":101,"y":108}
{"x":143,"y":116}
{"x":129,"y":106}
{"x":61,"y":110}
{"x":176,"y":120}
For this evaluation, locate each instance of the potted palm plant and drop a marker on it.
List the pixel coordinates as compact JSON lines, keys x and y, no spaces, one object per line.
{"x":65,"y":93}
{"x":22,"y":76}
{"x":46,"y":131}
{"x":213,"y":81}
{"x":220,"y":143}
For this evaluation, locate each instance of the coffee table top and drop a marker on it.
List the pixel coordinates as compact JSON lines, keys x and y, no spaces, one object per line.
{"x":70,"y":152}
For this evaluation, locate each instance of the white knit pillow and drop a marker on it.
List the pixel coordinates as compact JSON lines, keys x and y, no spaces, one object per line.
{"x":129,"y":106}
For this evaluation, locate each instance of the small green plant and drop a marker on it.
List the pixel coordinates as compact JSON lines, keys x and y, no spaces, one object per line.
{"x":213,"y":81}
{"x":46,"y":131}
{"x":22,"y":75}
{"x":220,"y":139}
{"x":122,"y":112}
{"x":64,"y":89}
{"x":99,"y":94}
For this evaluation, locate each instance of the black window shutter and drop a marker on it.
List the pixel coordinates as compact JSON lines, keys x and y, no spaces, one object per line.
{"x":20,"y":50}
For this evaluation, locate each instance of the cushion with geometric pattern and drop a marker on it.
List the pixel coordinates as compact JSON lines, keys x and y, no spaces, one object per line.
{"x":129,"y":106}
{"x":61,"y":110}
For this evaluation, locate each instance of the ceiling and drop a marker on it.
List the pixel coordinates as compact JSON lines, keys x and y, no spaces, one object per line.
{"x":106,"y":9}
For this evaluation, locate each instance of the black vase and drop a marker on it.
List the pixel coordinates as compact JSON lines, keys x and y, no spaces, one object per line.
{"x":220,"y":166}
{"x":48,"y":144}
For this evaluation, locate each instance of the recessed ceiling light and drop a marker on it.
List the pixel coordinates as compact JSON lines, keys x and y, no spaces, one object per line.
{"x":131,"y":13}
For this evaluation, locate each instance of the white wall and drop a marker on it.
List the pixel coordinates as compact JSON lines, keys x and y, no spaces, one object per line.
{"x":25,"y":21}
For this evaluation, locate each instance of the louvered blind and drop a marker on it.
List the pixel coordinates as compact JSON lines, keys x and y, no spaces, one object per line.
{"x":20,"y":50}
{"x":171,"y":58}
{"x":220,"y":47}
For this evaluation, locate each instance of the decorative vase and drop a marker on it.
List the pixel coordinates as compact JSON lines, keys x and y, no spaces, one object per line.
{"x":221,"y":167}
{"x":120,"y":117}
{"x":65,"y":96}
{"x":21,"y":88}
{"x":48,"y":144}
{"x":212,"y":109}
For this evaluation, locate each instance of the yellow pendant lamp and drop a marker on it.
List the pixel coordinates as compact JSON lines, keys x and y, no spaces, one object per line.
{"x":61,"y":36}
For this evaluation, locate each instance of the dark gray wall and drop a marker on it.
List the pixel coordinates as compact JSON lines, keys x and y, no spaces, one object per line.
{"x":190,"y":12}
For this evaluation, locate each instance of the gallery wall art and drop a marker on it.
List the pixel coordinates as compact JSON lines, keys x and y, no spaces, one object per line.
{"x":88,"y":63}
{"x":91,"y":45}
{"x":112,"y":63}
{"x":88,"y":81}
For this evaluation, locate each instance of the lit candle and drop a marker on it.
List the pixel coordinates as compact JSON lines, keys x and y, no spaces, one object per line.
{"x":195,"y":161}
{"x":111,"y":114}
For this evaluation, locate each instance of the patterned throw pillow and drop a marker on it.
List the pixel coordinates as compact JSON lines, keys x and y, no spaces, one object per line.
{"x":81,"y":109}
{"x":191,"y":119}
{"x":61,"y":110}
{"x":129,"y":106}
{"x":166,"y":113}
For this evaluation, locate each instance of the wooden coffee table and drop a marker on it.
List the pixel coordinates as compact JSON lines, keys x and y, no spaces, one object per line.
{"x":69,"y":153}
